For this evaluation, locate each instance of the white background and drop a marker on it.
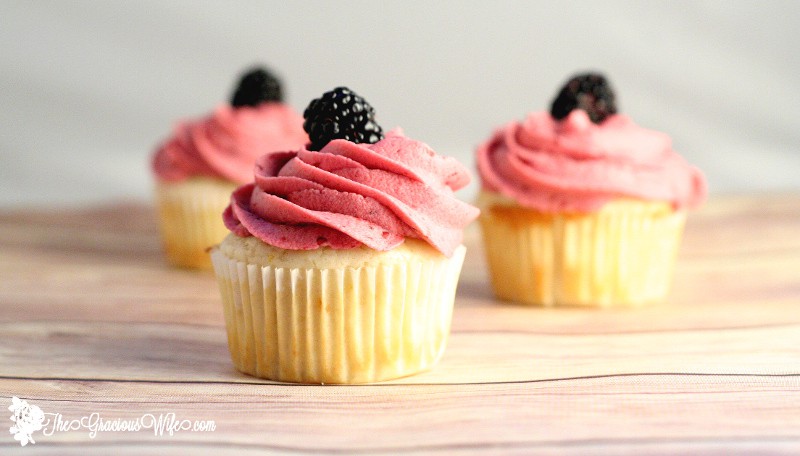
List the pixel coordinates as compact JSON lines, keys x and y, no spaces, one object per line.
{"x":87,"y":89}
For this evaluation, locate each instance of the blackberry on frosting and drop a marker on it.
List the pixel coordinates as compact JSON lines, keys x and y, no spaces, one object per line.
{"x":255,"y":87}
{"x":590,"y":92}
{"x":340,"y":114}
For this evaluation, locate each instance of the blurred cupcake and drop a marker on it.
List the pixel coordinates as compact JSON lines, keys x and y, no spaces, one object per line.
{"x":344,"y":256}
{"x":581,"y":206}
{"x":204,"y":160}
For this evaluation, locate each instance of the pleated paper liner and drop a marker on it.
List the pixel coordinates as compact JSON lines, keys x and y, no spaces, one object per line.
{"x":622,"y":255}
{"x":190,"y":217}
{"x":347,"y":325}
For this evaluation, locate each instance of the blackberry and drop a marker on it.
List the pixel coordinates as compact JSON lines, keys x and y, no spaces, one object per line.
{"x":255,"y":87}
{"x":340,"y":114}
{"x":590,"y":92}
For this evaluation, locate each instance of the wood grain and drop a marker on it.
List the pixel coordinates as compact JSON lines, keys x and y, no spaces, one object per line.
{"x":94,"y":321}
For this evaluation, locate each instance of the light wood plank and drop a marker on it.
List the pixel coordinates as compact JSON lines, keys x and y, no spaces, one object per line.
{"x":581,"y":414}
{"x":105,"y":265}
{"x":162,"y":352}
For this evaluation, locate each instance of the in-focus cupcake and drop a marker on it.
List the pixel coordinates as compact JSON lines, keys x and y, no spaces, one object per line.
{"x":344,"y":255}
{"x":580,"y":206}
{"x":205,"y":159}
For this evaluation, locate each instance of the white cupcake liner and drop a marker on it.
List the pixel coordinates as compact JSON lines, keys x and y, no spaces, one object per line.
{"x":620,"y":256}
{"x":190,"y":216}
{"x":341,"y":325}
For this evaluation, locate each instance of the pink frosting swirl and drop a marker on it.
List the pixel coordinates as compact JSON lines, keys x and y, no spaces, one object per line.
{"x":351,"y":194}
{"x":574,"y":165}
{"x":226,"y":143}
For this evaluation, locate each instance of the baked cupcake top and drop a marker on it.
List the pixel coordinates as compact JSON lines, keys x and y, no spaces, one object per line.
{"x":582,"y":154}
{"x":352,"y":186}
{"x":226,"y":143}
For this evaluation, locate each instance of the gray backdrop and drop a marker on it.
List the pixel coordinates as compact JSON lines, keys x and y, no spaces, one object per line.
{"x":89,"y":88}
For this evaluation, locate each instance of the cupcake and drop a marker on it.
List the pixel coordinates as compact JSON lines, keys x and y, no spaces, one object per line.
{"x":344,"y":255}
{"x":205,"y":159}
{"x":581,"y":206}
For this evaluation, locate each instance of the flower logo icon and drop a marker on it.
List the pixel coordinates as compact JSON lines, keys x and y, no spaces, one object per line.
{"x":27,"y":420}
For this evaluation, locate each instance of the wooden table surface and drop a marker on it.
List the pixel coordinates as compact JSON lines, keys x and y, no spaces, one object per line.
{"x":93,"y":321}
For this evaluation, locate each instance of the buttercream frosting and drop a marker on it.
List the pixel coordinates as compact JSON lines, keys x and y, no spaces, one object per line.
{"x":226,"y":143}
{"x":575,"y":165}
{"x":348,"y":194}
